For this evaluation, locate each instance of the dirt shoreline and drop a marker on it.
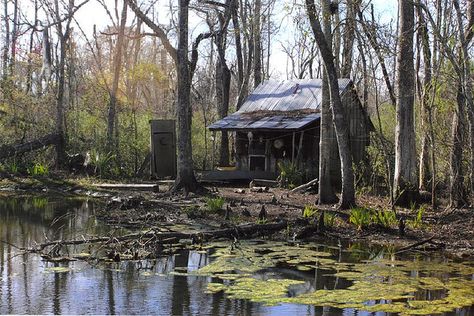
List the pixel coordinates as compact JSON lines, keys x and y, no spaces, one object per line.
{"x":449,"y":231}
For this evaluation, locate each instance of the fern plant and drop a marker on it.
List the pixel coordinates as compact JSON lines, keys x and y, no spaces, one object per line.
{"x":417,"y":222}
{"x":385,"y":218}
{"x":360,"y":217}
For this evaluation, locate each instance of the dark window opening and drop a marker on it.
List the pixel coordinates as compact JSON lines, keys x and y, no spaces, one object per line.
{"x":257,"y":163}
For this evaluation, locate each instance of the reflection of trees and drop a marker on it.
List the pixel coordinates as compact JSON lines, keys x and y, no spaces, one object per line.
{"x":108,"y":276}
{"x":180,"y":292}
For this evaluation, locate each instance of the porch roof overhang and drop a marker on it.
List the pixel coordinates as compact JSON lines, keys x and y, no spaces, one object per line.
{"x":242,"y":122}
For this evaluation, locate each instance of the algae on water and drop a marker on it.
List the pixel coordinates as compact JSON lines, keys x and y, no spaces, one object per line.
{"x":379,"y":285}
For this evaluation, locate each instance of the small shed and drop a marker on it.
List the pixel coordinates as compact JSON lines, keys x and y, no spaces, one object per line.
{"x":163,"y":149}
{"x":280,"y":120}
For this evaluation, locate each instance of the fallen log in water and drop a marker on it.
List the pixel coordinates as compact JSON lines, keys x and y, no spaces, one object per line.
{"x":16,"y":149}
{"x":238,"y":232}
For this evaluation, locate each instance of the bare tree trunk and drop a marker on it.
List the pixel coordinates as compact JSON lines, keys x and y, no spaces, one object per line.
{"x":242,"y":80}
{"x":223,"y":77}
{"x":29,"y":79}
{"x":425,"y":89}
{"x":325,"y":187}
{"x":349,"y":37}
{"x":14,"y":37}
{"x":112,"y":128}
{"x":405,"y":177}
{"x":248,"y":56}
{"x":457,"y":196}
{"x":342,"y":132}
{"x":6,"y":44}
{"x":257,"y":36}
{"x":336,"y":37}
{"x":238,"y":46}
{"x":185,"y":178}
{"x":465,"y":37}
{"x":60,"y":107}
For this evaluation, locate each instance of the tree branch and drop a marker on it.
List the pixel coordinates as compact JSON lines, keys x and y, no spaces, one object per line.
{"x":156,"y":28}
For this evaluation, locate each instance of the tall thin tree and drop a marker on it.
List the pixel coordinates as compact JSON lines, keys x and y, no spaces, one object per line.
{"x":342,"y":132}
{"x":405,"y":177}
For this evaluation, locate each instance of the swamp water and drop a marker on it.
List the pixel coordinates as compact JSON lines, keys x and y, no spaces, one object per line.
{"x":247,"y":278}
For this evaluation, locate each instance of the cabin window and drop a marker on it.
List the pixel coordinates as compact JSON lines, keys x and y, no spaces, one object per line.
{"x":257,"y":162}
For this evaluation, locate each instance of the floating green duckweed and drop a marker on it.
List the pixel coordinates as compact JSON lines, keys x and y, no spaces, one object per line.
{"x":57,"y":270}
{"x":231,"y":276}
{"x":393,"y":286}
{"x":82,"y":255}
{"x":268,"y":292}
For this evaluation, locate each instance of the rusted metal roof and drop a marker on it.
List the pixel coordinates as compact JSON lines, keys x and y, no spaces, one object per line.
{"x":277,"y":105}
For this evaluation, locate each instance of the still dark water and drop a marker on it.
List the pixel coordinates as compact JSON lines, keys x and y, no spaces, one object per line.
{"x":30,"y":285}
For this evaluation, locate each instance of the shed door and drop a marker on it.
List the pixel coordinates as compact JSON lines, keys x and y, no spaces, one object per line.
{"x":164,"y":154}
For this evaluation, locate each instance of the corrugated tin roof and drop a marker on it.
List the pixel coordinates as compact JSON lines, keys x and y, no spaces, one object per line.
{"x":288,"y":95}
{"x":274,"y":101}
{"x":237,"y":121}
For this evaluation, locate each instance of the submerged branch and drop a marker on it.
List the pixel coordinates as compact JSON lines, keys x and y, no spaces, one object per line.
{"x":409,"y":247}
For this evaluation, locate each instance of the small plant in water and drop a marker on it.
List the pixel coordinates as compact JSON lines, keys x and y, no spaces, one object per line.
{"x":215,"y":204}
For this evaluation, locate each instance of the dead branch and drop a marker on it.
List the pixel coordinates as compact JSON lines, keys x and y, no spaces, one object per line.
{"x":415,"y":245}
{"x":241,"y":231}
{"x":304,"y":186}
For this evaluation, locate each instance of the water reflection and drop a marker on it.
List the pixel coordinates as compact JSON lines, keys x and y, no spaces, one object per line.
{"x":28,"y":285}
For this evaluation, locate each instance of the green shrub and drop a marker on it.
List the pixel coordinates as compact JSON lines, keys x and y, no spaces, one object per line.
{"x":215,"y":204}
{"x":290,"y":175}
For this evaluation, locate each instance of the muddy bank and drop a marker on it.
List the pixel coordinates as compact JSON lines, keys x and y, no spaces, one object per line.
{"x":449,"y":231}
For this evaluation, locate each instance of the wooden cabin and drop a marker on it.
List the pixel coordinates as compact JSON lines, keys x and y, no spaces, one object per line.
{"x":280,"y":120}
